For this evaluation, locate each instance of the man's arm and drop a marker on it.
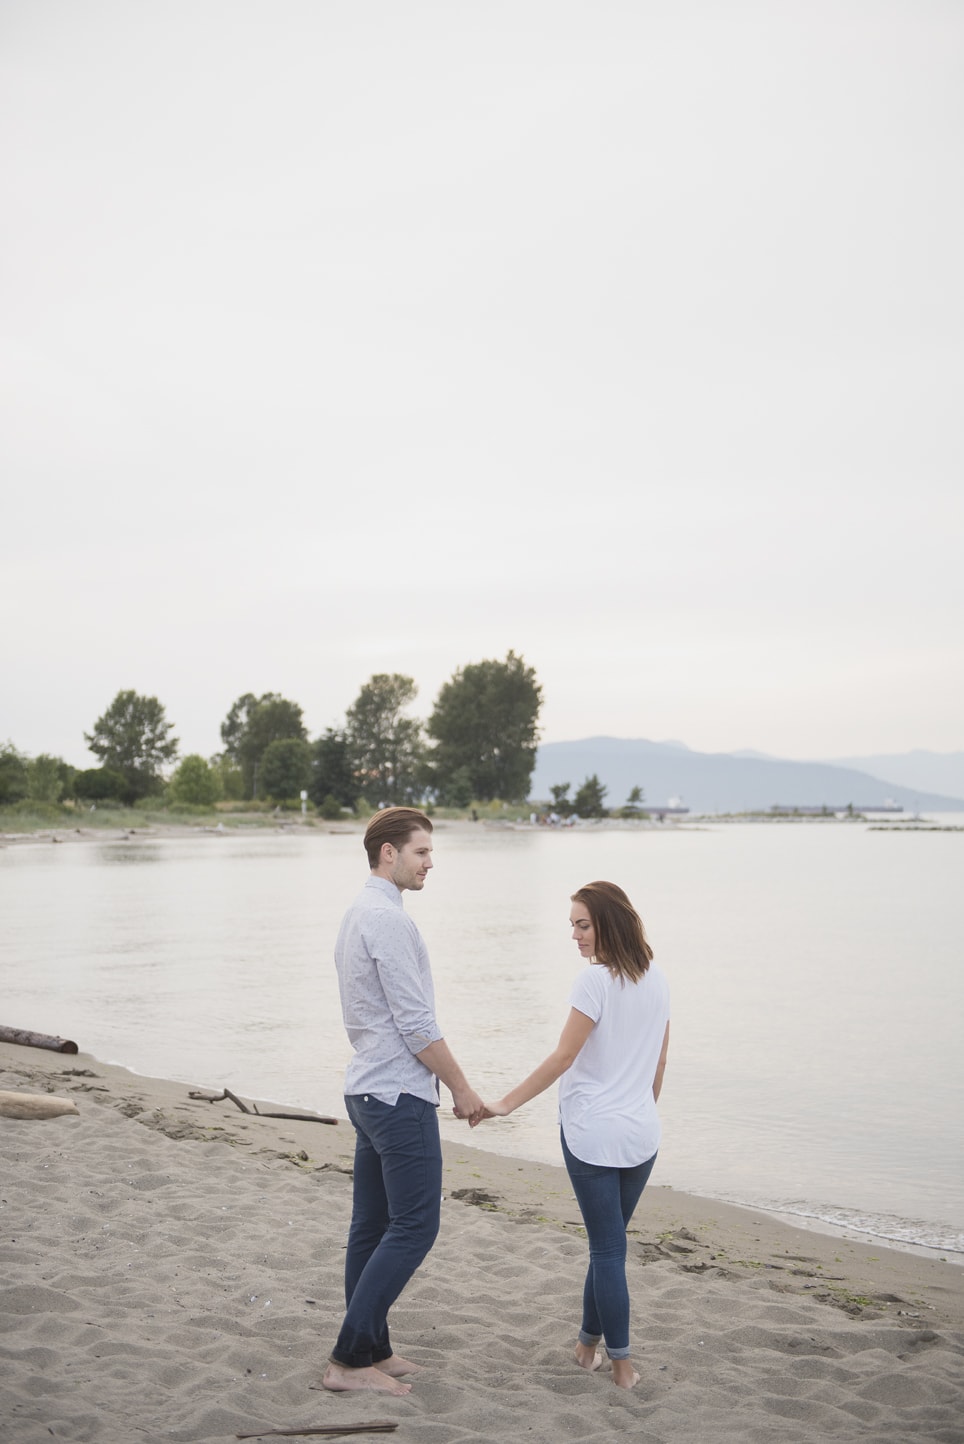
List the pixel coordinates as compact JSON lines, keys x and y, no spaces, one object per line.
{"x":439,"y":1059}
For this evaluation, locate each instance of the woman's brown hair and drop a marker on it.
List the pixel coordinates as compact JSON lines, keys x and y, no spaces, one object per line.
{"x":621,"y":943}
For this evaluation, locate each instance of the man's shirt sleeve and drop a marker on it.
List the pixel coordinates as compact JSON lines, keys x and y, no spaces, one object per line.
{"x":399,"y":955}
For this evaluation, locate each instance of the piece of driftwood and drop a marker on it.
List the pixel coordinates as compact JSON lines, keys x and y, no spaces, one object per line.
{"x":374,"y":1426}
{"x":26,"y":1039}
{"x":206,"y":1097}
{"x":35,"y":1105}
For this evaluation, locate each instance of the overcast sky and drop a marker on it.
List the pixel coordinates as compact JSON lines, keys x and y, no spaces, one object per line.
{"x":343,"y":338}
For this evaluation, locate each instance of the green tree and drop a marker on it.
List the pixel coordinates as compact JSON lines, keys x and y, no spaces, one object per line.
{"x":67,"y":775}
{"x":286,"y":767}
{"x":634,"y":803}
{"x":14,"y":777}
{"x":456,"y":790}
{"x":250,"y":727}
{"x":99,"y":784}
{"x":196,"y":782}
{"x":386,"y":748}
{"x":46,"y":778}
{"x":132,"y":738}
{"x":235,"y":724}
{"x":561,"y":801}
{"x":330,"y":808}
{"x":588,"y":801}
{"x":230,"y":775}
{"x":332,"y":773}
{"x":485,"y":722}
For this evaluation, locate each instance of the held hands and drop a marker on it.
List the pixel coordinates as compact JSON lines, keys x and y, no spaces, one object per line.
{"x":468,"y":1105}
{"x":491,"y":1110}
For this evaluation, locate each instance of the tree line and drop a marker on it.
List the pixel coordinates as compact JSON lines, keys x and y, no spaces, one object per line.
{"x":478,"y":744}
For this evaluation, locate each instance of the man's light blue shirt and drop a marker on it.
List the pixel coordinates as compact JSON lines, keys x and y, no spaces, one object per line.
{"x":387,"y":996}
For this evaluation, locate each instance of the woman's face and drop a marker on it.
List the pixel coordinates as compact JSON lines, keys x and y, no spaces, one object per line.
{"x":582,"y":930}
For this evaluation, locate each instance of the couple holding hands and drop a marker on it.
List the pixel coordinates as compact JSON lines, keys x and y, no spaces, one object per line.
{"x":609,"y":1064}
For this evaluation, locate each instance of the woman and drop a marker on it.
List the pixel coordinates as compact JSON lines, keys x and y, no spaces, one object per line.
{"x":610,"y":1059}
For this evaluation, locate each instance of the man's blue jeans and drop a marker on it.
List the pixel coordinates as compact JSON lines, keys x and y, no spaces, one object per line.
{"x":395,"y":1217}
{"x":607,"y":1199}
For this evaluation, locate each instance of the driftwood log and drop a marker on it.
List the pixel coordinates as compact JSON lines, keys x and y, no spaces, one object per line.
{"x":35,"y":1105}
{"x":206,"y":1097}
{"x":374,"y":1426}
{"x":27,"y":1039}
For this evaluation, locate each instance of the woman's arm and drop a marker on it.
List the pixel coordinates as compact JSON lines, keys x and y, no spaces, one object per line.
{"x":573,"y":1036}
{"x":661,"y":1065}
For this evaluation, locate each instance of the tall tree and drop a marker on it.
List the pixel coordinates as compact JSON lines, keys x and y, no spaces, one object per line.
{"x":47,"y":778}
{"x":286,"y":767}
{"x":14,"y":774}
{"x":333,"y":775}
{"x":132,"y":738}
{"x":99,"y":784}
{"x":235,"y":723}
{"x":386,"y":748}
{"x":229,"y":773}
{"x":588,"y":801}
{"x":250,"y":727}
{"x":485,"y":722}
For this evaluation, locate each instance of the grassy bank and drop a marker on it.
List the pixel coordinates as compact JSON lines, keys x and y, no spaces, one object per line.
{"x":35,"y":817}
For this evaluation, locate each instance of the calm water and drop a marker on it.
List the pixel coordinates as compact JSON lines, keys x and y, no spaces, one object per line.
{"x":816,"y":1061}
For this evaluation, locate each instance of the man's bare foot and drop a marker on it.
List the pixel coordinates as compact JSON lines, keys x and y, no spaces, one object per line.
{"x":394,"y":1366}
{"x":588,"y":1357}
{"x":339,"y":1379}
{"x":624,"y":1375}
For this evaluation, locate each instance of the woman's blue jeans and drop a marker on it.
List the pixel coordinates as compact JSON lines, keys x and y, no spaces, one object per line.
{"x":607,"y":1199}
{"x":395,"y":1217}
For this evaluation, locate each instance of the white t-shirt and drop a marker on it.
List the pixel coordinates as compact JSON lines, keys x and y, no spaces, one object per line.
{"x":606,"y":1104}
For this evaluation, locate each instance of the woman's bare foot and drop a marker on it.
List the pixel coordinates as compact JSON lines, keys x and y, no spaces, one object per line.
{"x":394,"y":1366}
{"x":339,"y":1379}
{"x":624,"y":1375}
{"x":588,"y":1357}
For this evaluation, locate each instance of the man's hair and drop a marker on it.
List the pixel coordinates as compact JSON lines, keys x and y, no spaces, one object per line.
{"x":394,"y":825}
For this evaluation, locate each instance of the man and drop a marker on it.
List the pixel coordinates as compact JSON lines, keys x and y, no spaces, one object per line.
{"x":392,"y":1097}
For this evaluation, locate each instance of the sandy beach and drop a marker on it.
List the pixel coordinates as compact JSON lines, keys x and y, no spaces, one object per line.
{"x":172,"y":1272}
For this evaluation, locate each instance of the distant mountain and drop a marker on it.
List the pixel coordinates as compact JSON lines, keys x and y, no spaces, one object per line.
{"x":929,"y":771}
{"x":719,"y":781}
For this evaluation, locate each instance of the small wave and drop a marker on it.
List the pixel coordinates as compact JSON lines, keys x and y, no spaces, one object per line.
{"x":888,"y":1228}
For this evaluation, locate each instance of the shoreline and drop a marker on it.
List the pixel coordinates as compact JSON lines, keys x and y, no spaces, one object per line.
{"x":480,"y":1160}
{"x":152,"y":827}
{"x":865,"y":1279}
{"x":173,"y":1272}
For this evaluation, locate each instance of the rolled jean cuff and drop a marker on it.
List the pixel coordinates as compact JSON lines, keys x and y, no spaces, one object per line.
{"x":589,"y":1341}
{"x":618,"y":1353}
{"x":348,"y":1361}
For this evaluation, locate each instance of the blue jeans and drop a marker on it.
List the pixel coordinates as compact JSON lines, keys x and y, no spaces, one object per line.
{"x":607,"y":1199}
{"x":395,"y":1217}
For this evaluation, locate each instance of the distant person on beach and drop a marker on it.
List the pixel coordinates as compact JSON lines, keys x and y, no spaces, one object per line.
{"x":392,"y":1097}
{"x":610,"y":1061}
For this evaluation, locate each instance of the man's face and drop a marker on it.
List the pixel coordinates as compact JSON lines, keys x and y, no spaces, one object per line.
{"x":410,"y":864}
